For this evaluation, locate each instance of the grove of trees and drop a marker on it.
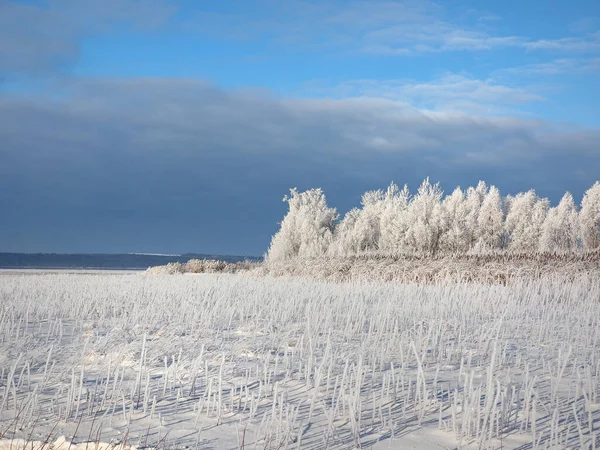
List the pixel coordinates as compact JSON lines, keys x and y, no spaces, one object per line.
{"x":478,"y":220}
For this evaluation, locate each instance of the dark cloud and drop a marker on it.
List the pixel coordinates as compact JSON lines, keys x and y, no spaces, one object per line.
{"x":171,"y":165}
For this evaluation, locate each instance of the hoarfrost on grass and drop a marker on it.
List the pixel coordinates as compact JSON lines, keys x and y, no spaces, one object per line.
{"x":230,"y":361}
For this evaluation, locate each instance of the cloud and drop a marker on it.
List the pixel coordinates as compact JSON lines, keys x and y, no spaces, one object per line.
{"x":489,"y":18}
{"x":41,"y":37}
{"x":587,"y":43}
{"x":113,"y":164}
{"x":557,"y":67}
{"x":451,"y":92}
{"x":37,"y":38}
{"x":379,"y":27}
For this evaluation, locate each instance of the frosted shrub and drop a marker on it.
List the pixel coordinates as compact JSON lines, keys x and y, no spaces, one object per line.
{"x":212,"y":266}
{"x":195,"y":266}
{"x":175,"y":267}
{"x":203,"y":266}
{"x":170,"y":268}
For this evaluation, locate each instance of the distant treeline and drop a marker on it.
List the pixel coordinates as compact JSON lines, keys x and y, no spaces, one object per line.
{"x":476,"y":221}
{"x":103,"y":261}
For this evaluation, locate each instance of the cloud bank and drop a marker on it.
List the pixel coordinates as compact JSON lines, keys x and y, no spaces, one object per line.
{"x":174,"y":165}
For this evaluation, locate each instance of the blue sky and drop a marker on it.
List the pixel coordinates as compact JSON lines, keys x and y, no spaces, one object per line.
{"x":164,"y":126}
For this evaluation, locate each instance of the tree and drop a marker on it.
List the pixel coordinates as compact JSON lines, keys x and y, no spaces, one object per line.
{"x":424,"y":217}
{"x":393,"y":221}
{"x":524,"y":222}
{"x":367,"y":230}
{"x":359,"y":231}
{"x":455,"y":235}
{"x":561,"y":228}
{"x":490,"y":221}
{"x":307,"y":228}
{"x":590,"y":218}
{"x":345,"y":240}
{"x":376,"y":227}
{"x":474,"y":200}
{"x":538,"y":217}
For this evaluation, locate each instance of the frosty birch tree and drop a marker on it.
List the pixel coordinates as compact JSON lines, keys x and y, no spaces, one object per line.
{"x":366,"y":227}
{"x":490,"y":221}
{"x":590,"y":218}
{"x":473,"y":204}
{"x":393,"y":222}
{"x":307,"y":228}
{"x":359,"y":231}
{"x":390,"y":222}
{"x":424,"y":219}
{"x":345,"y":241}
{"x":561,"y":227}
{"x":518,"y":222}
{"x":376,"y":227}
{"x":455,"y":237}
{"x":538,"y":217}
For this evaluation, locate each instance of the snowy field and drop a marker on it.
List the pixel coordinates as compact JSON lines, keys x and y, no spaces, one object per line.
{"x":229,"y":361}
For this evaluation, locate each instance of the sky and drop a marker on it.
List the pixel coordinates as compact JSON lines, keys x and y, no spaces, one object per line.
{"x":178,"y":126}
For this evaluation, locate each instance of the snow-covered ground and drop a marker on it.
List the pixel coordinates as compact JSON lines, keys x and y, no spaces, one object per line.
{"x":230,"y":361}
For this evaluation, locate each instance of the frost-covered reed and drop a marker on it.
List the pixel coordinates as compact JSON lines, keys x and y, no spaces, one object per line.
{"x":498,"y":267}
{"x":169,"y":361}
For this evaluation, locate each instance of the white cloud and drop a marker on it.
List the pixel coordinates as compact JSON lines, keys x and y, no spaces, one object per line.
{"x":34,"y":39}
{"x":587,"y":43}
{"x":451,"y":92}
{"x":380,"y":27}
{"x":556,"y":67}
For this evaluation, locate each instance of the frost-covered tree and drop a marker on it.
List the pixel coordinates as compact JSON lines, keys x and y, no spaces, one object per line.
{"x":524,"y":222}
{"x":474,"y":200}
{"x":307,"y":228}
{"x":359,"y":231}
{"x":424,"y":218}
{"x":589,"y":218}
{"x":393,"y":222}
{"x":390,"y":222}
{"x":490,"y":221}
{"x":538,"y":217}
{"x":345,"y":241}
{"x":455,"y":237}
{"x":561,"y":228}
{"x":367,"y":226}
{"x":376,"y":227}
{"x":506,"y":207}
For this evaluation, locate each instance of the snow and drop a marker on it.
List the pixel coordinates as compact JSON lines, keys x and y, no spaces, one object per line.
{"x":231,"y":361}
{"x":60,"y":443}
